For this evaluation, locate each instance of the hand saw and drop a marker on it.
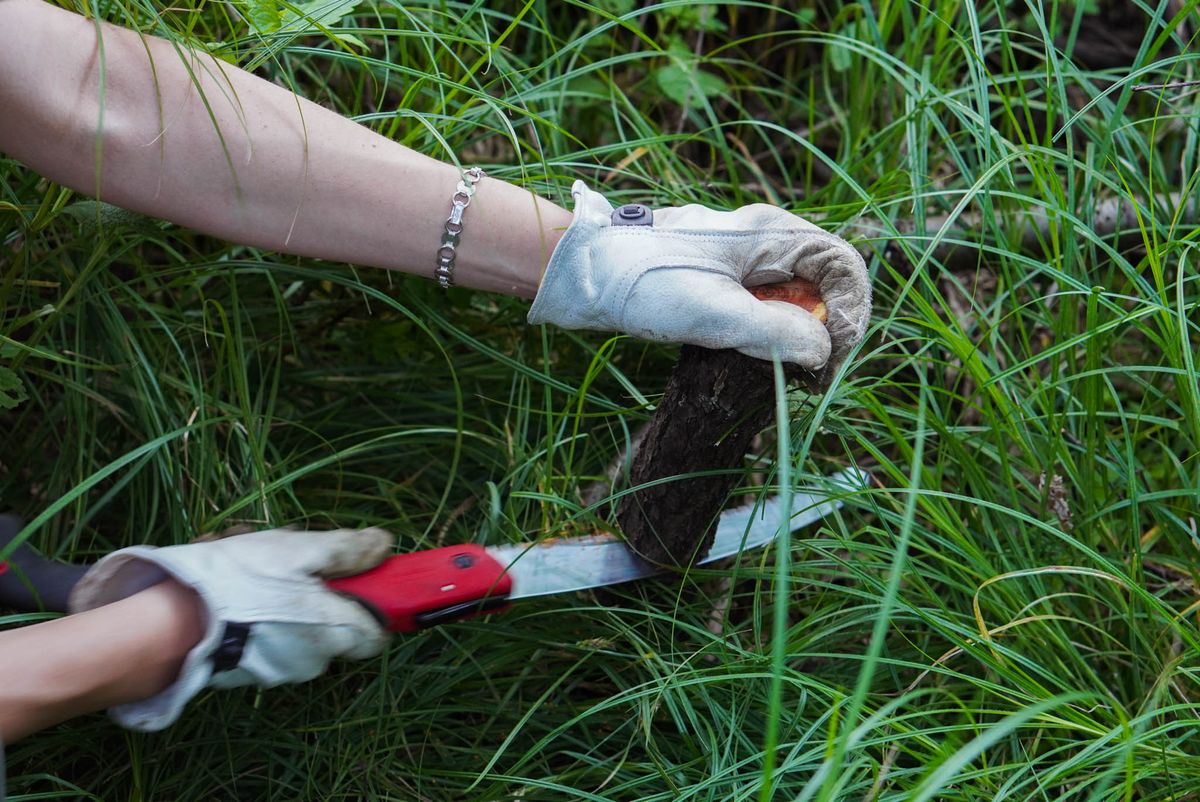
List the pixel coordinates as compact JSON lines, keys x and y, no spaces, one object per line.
{"x":422,"y":589}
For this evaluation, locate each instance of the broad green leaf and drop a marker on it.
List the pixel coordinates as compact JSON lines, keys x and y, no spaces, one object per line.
{"x":317,"y":14}
{"x":587,"y":88}
{"x":95,"y":216}
{"x":12,"y":391}
{"x":684,"y":84}
{"x":350,"y":39}
{"x":263,"y":15}
{"x":698,"y":17}
{"x":677,"y":46}
{"x":839,"y":56}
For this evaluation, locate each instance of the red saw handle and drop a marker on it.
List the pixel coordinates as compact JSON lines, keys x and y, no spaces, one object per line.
{"x":426,"y":588}
{"x":406,"y":593}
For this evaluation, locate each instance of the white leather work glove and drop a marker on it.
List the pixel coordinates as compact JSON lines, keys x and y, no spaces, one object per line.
{"x":683,"y":280}
{"x":269,"y":618}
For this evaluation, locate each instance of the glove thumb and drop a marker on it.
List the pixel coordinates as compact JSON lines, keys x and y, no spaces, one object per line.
{"x":797,"y":336}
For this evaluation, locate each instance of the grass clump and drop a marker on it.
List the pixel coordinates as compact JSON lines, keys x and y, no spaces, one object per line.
{"x":1007,"y":613}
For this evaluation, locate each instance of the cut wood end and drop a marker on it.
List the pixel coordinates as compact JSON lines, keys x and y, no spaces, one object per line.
{"x":798,"y":291}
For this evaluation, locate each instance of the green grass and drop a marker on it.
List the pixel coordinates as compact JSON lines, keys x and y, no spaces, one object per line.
{"x":951,"y":634}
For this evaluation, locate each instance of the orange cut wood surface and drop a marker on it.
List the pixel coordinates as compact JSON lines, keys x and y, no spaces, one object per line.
{"x":798,"y":291}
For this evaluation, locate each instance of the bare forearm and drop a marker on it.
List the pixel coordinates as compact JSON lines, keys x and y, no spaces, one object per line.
{"x":191,"y":139}
{"x":119,"y":653}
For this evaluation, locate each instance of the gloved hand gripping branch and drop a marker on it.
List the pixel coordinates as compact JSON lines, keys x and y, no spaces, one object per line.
{"x":684,"y":279}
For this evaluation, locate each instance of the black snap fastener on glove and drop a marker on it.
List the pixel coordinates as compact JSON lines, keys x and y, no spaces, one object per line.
{"x":633,"y":214}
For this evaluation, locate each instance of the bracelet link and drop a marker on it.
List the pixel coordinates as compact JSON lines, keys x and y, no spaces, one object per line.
{"x":459,"y":201}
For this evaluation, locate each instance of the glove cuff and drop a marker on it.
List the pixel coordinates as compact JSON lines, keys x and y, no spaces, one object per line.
{"x":129,"y":571}
{"x":568,"y":292}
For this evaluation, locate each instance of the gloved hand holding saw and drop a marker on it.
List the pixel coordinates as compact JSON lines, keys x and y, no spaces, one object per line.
{"x":158,"y":625}
{"x":152,"y":627}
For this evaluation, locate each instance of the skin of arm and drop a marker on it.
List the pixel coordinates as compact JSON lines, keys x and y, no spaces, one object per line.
{"x":179,"y":135}
{"x":122,"y":652}
{"x":188,"y":138}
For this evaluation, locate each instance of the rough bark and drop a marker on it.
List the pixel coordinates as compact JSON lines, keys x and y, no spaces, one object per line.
{"x":715,"y":403}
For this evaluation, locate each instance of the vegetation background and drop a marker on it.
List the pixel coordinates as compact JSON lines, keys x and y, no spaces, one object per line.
{"x":1009,"y":612}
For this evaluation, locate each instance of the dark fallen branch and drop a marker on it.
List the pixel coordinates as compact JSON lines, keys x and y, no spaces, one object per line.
{"x":959,"y":243}
{"x":714,"y":405}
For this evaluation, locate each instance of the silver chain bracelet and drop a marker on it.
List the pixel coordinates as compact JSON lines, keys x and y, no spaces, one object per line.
{"x":454,"y":226}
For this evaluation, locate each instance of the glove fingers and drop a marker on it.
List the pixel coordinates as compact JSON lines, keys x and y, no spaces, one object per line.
{"x":795,"y":334}
{"x":760,"y":217}
{"x":344,"y":552}
{"x":714,"y":311}
{"x":338,"y":552}
{"x":841,"y":277}
{"x":369,"y":644}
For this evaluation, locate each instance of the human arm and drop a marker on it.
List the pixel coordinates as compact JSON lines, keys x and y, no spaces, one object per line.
{"x":128,"y":650}
{"x":180,"y":135}
{"x":267,"y":168}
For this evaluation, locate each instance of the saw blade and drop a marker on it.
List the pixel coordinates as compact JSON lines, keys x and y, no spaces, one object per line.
{"x":562,"y":565}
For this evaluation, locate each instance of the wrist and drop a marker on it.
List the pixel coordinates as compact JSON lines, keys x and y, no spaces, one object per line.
{"x":509,"y":236}
{"x":178,"y":615}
